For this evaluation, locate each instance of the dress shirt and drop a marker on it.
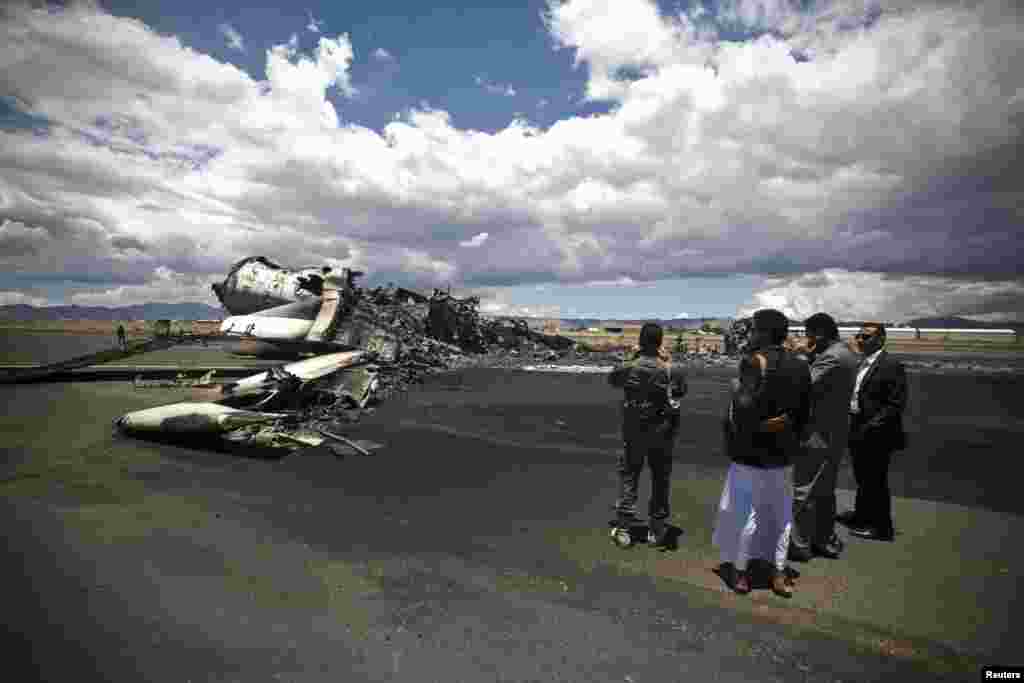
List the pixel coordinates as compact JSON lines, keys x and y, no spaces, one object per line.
{"x":865,"y":365}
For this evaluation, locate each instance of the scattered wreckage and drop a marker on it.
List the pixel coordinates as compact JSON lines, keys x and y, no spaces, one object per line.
{"x":273,"y":409}
{"x":367,"y":344}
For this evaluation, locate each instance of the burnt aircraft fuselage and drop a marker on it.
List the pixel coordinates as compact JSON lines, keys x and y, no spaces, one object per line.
{"x":256,"y":283}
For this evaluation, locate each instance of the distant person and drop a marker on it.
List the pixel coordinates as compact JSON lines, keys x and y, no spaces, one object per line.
{"x":833,"y":371}
{"x":122,"y":339}
{"x":878,"y":400}
{"x":650,"y":423}
{"x":769,"y":408}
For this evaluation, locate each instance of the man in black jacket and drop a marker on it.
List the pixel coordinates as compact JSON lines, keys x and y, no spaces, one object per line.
{"x":876,"y":432}
{"x":650,"y":422}
{"x":768,"y":412}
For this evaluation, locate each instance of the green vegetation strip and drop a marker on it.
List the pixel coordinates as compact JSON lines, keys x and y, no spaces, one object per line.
{"x":881,"y":598}
{"x":88,"y":476}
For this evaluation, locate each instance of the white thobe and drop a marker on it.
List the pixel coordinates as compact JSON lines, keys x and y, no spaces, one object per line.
{"x":755,"y":515}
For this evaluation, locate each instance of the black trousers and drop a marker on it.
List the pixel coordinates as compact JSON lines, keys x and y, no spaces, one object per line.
{"x":874,"y":500}
{"x":656,"y":451}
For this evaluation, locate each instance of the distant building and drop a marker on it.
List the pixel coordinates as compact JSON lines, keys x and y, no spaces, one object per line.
{"x":913,"y":332}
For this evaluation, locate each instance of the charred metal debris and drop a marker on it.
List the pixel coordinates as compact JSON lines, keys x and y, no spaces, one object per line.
{"x":371,"y":343}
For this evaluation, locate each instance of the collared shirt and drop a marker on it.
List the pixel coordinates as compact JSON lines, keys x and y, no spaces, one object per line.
{"x":865,"y":365}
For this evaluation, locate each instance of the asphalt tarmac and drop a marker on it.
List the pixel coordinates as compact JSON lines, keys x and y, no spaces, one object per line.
{"x":471,"y":546}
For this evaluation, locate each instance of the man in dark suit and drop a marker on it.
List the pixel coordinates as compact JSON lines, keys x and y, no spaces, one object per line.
{"x":833,"y":372}
{"x":876,"y":432}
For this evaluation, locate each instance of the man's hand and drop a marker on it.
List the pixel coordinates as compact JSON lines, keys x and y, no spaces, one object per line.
{"x":760,"y":361}
{"x":664,"y":354}
{"x":801,"y":345}
{"x":774,"y":425}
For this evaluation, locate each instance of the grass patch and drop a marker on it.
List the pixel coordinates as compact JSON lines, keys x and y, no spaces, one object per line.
{"x":511,"y":580}
{"x":62,"y":443}
{"x":900,"y":600}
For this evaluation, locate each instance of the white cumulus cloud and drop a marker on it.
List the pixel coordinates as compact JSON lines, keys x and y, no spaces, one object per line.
{"x":163,"y":286}
{"x":475,"y":241}
{"x":888,"y":148}
{"x":9,"y":298}
{"x":234,"y":38}
{"x":314,"y":25}
{"x":849,"y":295}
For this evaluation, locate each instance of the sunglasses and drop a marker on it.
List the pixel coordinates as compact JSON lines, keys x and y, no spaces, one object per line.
{"x":862,"y":336}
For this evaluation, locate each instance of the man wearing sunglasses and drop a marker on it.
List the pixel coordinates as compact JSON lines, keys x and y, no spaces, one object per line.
{"x":876,"y":432}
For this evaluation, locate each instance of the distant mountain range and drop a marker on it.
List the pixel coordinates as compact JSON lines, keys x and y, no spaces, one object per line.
{"x":24,"y":312}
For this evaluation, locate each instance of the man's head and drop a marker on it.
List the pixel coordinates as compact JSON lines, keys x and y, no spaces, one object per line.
{"x":821,"y":327}
{"x":871,"y":338}
{"x":651,"y":336}
{"x":771,"y":327}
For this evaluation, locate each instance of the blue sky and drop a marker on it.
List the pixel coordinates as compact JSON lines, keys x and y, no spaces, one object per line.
{"x":587,"y":158}
{"x":436,"y":54}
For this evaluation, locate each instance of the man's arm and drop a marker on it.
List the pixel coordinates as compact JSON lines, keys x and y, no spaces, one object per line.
{"x":617,"y":377}
{"x":679,"y":385}
{"x":894,"y":401}
{"x":747,"y":389}
{"x":822,"y":370}
{"x":803,"y":409}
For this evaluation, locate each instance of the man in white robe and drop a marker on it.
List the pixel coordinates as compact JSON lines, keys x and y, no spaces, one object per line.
{"x":770,"y":407}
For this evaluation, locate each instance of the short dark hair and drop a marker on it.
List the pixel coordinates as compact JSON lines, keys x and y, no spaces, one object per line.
{"x":879,"y":326}
{"x":651,"y":336}
{"x":824,"y":323}
{"x":774,"y":322}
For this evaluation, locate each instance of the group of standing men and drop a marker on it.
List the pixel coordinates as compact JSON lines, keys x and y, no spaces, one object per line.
{"x":793,"y":412}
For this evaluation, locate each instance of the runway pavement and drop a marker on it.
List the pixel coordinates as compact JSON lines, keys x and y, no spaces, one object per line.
{"x":472,"y":546}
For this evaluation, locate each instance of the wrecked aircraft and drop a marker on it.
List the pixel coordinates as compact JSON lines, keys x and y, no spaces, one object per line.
{"x":369,"y":343}
{"x":270,"y":409}
{"x":257,"y":283}
{"x":315,"y":310}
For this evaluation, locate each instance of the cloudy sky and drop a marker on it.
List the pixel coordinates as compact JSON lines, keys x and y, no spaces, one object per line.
{"x":606,"y":158}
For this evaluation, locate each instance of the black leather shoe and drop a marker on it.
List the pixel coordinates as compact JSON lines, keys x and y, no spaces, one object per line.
{"x":797,"y":554}
{"x":832,"y":548}
{"x":828,"y":550}
{"x":848,"y":518}
{"x":871,"y":533}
